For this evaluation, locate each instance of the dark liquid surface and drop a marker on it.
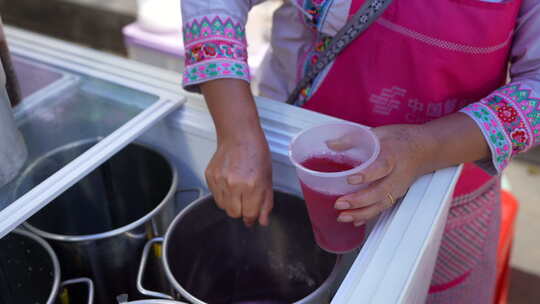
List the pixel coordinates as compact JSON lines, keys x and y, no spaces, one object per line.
{"x":228,"y":263}
{"x":237,"y":278}
{"x":26,"y":271}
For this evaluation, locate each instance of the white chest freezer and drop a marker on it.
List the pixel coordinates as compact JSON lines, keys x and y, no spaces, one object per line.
{"x":95,"y":94}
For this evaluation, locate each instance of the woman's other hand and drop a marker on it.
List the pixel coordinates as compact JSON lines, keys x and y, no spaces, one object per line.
{"x":390,"y":176}
{"x":408,"y":152}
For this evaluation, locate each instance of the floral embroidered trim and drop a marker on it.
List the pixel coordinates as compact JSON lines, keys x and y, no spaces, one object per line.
{"x":322,"y":43}
{"x":520,"y":97}
{"x":510,"y":120}
{"x":493,"y":131}
{"x":317,"y":9}
{"x":214,"y":69}
{"x":215,"y":50}
{"x":211,"y":28}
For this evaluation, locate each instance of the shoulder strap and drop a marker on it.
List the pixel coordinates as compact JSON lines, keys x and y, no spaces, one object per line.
{"x":361,"y":21}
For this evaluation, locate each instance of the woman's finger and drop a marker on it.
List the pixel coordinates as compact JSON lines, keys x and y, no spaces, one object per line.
{"x":379,"y":169}
{"x":342,"y":143}
{"x":266,"y":208}
{"x":374,"y":193}
{"x":212,"y":186}
{"x":251,"y":205}
{"x":233,"y":192}
{"x":361,"y":215}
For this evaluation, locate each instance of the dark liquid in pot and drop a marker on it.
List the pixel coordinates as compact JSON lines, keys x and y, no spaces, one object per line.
{"x":239,"y":279}
{"x":218,"y":260}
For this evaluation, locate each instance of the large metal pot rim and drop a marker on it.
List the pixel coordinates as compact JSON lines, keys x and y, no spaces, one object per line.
{"x":110,"y":233}
{"x":193,"y":299}
{"x":54,"y":258}
{"x":157,"y":301}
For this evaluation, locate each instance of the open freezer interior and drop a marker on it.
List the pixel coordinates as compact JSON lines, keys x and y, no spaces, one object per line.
{"x":66,"y":104}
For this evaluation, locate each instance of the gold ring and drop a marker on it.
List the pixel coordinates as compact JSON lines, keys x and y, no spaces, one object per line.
{"x":392,"y":200}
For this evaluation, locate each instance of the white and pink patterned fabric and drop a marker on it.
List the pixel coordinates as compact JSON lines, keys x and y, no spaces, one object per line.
{"x":476,"y":285}
{"x":510,"y":121}
{"x":215,"y":48}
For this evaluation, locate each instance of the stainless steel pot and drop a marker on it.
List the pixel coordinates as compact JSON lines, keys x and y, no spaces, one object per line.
{"x":30,"y":271}
{"x":211,"y":258}
{"x":123,"y":299}
{"x":13,"y":151}
{"x":158,"y":301}
{"x":99,"y":226}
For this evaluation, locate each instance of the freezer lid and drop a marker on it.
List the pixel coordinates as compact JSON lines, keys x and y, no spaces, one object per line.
{"x":76,"y":95}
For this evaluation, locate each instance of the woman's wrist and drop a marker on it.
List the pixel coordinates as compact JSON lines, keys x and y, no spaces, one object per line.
{"x":253,"y":135}
{"x":428,"y":145}
{"x":450,"y":141}
{"x":423,"y":143}
{"x":233,"y":110}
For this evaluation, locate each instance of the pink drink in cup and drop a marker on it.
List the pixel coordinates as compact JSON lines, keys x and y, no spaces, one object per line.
{"x":323,"y":176}
{"x":329,"y":233}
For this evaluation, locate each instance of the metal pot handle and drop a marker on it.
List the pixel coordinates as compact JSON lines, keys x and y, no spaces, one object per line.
{"x":122,"y":298}
{"x":142,"y":267}
{"x":86,"y":281}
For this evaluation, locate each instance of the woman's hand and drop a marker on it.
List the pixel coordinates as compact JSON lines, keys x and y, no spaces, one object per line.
{"x":400,"y":163}
{"x":240,"y":177}
{"x":240,"y":172}
{"x":408,"y":152}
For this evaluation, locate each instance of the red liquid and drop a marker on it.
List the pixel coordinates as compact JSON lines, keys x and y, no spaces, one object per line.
{"x":330,"y":234}
{"x":329,"y":163}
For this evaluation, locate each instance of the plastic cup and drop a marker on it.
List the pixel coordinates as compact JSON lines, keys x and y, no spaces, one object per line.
{"x":322,"y":189}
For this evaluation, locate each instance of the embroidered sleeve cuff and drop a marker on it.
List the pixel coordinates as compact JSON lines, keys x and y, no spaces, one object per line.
{"x":509,"y":119}
{"x":493,"y":132}
{"x":213,"y":69}
{"x":215,"y":47}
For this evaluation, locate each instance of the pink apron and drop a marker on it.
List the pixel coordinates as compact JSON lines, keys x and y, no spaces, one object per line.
{"x":422,"y":60}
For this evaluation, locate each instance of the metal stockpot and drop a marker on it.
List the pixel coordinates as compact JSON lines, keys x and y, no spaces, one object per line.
{"x":99,"y":226}
{"x":30,"y":272}
{"x":211,"y":258}
{"x":158,"y":301}
{"x":123,"y":299}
